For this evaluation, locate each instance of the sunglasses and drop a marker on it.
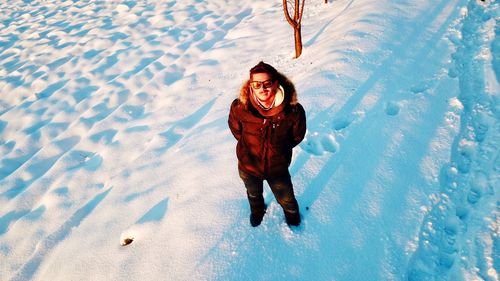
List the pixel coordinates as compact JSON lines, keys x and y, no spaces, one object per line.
{"x":257,"y":84}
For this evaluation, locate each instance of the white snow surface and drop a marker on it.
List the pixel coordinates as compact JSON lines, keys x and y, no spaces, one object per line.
{"x":113,"y":125}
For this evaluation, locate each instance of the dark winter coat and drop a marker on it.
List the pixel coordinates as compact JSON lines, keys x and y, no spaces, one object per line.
{"x":266,"y":138}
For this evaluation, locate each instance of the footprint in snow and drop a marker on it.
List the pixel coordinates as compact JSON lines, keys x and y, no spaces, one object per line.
{"x":423,"y":86}
{"x":318,"y":143}
{"x":392,"y":108}
{"x":343,"y":122}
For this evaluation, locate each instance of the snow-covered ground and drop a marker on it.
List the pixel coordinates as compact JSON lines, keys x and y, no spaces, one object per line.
{"x":113,"y":125}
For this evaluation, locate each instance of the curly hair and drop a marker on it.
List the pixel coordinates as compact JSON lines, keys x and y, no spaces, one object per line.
{"x":262,"y":67}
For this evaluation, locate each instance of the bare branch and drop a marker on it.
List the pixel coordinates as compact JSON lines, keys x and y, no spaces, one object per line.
{"x":291,"y":2}
{"x":296,"y":11}
{"x":301,"y":11}
{"x":287,"y":15}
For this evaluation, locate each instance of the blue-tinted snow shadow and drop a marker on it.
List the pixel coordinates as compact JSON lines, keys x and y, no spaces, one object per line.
{"x":143,"y":64}
{"x":322,"y":29}
{"x":14,"y":80}
{"x":9,"y":218}
{"x":218,"y":35}
{"x":13,"y":216}
{"x":84,"y":93}
{"x":102,"y":111}
{"x":135,"y":195}
{"x":110,"y":61}
{"x":155,"y":214}
{"x":175,"y":133}
{"x":3,"y":125}
{"x":37,"y":168}
{"x":105,"y":136}
{"x":58,"y":62}
{"x":36,"y":126}
{"x":79,"y":159}
{"x":11,"y":40}
{"x":45,"y":246}
{"x":10,"y":165}
{"x":51,"y":89}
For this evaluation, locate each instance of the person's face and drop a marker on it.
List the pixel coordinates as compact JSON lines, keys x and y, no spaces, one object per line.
{"x":263,"y":87}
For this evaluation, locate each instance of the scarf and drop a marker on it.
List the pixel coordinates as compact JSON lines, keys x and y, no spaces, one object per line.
{"x":274,"y":109}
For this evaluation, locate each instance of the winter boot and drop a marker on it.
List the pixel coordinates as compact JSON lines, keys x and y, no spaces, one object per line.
{"x":255,"y":220}
{"x":292,"y":218}
{"x":256,"y":217}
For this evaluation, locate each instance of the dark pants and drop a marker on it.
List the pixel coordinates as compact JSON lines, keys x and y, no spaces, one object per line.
{"x":282,"y":189}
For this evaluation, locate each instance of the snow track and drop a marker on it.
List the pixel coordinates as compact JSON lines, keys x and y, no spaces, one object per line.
{"x":113,"y":125}
{"x":459,"y":236}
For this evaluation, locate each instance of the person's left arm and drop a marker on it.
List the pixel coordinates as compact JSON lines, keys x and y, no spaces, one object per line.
{"x":299,"y":126}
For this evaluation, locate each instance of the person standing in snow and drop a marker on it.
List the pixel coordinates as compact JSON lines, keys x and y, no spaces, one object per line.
{"x":268,"y":122}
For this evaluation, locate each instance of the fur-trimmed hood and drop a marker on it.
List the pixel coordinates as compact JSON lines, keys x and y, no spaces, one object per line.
{"x":290,"y":94}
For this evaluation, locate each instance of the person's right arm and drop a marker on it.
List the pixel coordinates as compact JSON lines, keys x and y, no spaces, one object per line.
{"x":233,"y":121}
